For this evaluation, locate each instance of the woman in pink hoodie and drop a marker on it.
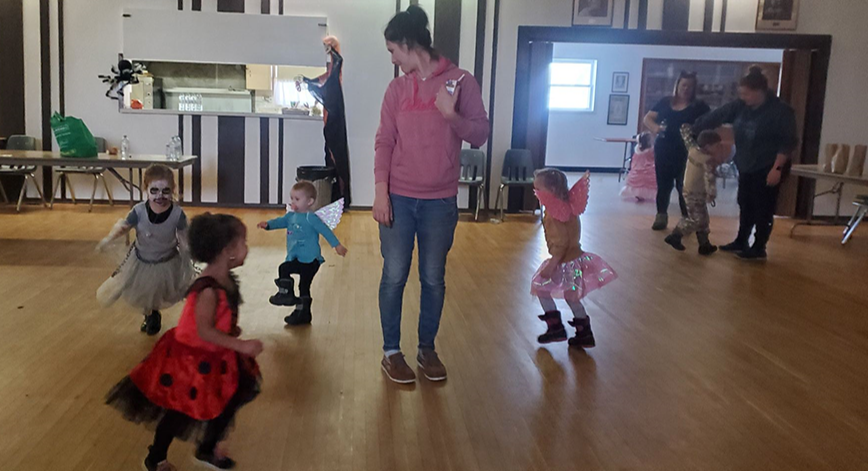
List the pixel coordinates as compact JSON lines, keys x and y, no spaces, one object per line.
{"x":426,"y":114}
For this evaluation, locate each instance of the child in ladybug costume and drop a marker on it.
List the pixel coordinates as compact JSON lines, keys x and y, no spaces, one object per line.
{"x":200,"y":373}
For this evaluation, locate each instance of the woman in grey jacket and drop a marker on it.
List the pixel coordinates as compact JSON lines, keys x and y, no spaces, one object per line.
{"x":765,"y":137}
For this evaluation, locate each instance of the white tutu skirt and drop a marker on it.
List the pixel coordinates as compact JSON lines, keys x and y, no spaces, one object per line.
{"x":146,"y":285}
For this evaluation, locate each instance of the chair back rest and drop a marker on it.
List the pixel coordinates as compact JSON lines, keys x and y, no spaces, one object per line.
{"x":21,"y":143}
{"x":518,"y":166}
{"x":472,"y":165}
{"x":100,"y":145}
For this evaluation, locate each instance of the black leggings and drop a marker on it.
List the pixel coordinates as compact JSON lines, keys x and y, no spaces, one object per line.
{"x":305,"y":272}
{"x":670,"y":174}
{"x":174,"y":423}
{"x":757,"y":202}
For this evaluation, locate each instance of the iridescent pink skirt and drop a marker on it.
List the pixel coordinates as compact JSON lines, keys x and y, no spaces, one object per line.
{"x":575,"y":278}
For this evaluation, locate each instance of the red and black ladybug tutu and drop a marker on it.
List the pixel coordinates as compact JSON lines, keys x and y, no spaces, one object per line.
{"x":184,"y":374}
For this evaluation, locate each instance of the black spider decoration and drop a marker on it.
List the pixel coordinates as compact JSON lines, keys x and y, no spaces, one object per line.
{"x":122,"y":74}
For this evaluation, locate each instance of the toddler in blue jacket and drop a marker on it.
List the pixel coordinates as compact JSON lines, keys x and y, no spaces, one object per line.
{"x":303,"y":254}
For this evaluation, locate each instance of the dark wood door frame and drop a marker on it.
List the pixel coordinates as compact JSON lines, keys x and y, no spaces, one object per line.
{"x":821,"y":45}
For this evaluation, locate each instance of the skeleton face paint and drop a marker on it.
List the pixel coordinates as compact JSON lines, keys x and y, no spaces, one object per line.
{"x":160,"y":194}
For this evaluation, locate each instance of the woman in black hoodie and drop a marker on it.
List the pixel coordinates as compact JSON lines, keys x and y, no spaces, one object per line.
{"x":765,"y":137}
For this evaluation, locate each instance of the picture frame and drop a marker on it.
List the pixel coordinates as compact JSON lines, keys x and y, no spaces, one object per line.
{"x":592,"y":12}
{"x":777,"y":15}
{"x":619,"y":110}
{"x":620,"y":82}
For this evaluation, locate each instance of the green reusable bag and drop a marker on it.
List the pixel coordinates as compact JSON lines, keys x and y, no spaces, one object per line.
{"x":73,"y":137}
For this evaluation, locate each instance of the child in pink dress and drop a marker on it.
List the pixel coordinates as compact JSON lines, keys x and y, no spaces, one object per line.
{"x":570,"y":273}
{"x":641,"y":183}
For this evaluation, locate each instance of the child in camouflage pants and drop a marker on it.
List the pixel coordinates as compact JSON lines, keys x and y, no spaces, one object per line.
{"x":704,"y":155}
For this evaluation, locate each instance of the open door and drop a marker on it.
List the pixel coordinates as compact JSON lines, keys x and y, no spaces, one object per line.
{"x":541,"y":54}
{"x":795,"y":90}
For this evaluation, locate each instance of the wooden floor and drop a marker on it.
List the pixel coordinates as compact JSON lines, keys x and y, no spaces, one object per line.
{"x":701,"y":364}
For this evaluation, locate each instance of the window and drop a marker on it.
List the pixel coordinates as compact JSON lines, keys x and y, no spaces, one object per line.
{"x":572,"y":85}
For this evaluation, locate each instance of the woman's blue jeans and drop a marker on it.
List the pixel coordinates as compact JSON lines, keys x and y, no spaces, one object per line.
{"x":432,"y":223}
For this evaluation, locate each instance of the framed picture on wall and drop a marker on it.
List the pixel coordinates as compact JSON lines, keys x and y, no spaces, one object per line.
{"x":592,"y":12}
{"x":620,"y":82}
{"x":619,"y":108}
{"x":777,"y":14}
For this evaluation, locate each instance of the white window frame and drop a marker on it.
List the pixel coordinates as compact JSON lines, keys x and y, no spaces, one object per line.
{"x":593,"y":86}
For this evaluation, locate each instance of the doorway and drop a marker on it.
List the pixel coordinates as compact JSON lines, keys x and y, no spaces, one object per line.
{"x":801,"y":61}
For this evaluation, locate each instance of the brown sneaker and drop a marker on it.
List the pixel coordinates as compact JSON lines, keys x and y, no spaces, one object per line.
{"x":397,"y":370}
{"x":431,"y":365}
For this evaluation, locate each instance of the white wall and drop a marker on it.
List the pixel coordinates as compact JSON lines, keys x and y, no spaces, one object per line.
{"x":512,"y":14}
{"x":844,"y":120}
{"x":846,"y":101}
{"x":572,"y":136}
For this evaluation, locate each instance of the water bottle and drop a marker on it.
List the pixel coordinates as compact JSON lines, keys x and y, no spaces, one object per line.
{"x":178,"y":147}
{"x":125,"y":148}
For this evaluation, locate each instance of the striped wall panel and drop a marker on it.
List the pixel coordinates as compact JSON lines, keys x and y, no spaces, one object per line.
{"x":273,"y":156}
{"x":187,"y":139}
{"x":252,"y":157}
{"x":208,"y":159}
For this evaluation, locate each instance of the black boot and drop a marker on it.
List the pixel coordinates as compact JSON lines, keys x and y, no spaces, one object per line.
{"x":735,"y":246}
{"x":755,"y":253}
{"x":301,"y":315}
{"x":555,"y":331}
{"x":660,"y":222}
{"x":285,"y":293}
{"x":584,"y":335}
{"x":674,"y":240}
{"x":153,"y":323}
{"x":705,"y":246}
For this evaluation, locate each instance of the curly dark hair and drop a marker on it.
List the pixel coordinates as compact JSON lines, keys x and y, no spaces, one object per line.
{"x":211,"y":233}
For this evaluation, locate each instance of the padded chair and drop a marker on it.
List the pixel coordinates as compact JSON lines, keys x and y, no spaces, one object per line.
{"x":26,"y":171}
{"x":473,"y":174}
{"x":517,"y":171}
{"x":98,"y":173}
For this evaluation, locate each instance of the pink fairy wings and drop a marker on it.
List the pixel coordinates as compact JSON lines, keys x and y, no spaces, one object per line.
{"x":564,"y":210}
{"x":330,"y":214}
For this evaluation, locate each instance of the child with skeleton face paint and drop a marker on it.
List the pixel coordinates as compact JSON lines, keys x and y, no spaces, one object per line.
{"x":157,"y":269}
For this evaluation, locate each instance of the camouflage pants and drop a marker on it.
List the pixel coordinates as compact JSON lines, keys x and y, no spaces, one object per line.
{"x":697,"y":216}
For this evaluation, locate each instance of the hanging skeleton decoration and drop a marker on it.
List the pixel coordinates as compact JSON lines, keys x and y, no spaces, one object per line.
{"x":125,"y":73}
{"x":328,"y":91}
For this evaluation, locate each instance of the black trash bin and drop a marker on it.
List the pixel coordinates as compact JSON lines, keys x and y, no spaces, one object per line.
{"x":322,"y":178}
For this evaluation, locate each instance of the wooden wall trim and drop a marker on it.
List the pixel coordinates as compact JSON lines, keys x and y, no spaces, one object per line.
{"x":676,"y":15}
{"x":708,"y":19}
{"x":12,"y":69}
{"x":642,"y":15}
{"x":447,"y":28}
{"x":489,"y":148}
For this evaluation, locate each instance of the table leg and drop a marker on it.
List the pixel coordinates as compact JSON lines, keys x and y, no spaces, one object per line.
{"x":181,"y":185}
{"x":624,"y":161}
{"x":141,"y":185}
{"x":132,"y":195}
{"x":838,"y":190}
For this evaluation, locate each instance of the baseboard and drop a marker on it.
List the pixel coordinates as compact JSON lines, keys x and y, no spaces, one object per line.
{"x":614,"y":170}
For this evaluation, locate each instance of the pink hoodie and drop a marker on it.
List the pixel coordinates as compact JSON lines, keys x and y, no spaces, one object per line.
{"x":417,"y":149}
